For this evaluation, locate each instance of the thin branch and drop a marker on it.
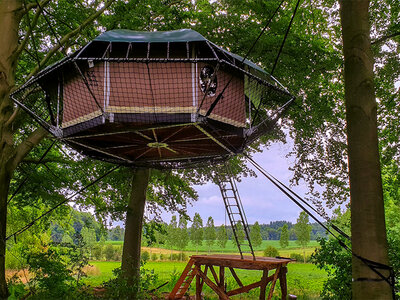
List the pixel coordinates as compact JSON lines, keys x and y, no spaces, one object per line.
{"x":29,"y":6}
{"x":31,"y":25}
{"x":28,"y":144}
{"x":45,"y":161}
{"x":68,"y":36}
{"x":385,"y":37}
{"x":13,"y":117}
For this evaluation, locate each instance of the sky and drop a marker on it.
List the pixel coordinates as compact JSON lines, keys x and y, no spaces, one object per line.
{"x":262,"y":201}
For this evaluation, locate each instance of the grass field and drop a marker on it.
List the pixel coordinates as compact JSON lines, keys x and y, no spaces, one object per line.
{"x":304,"y":280}
{"x":232,"y":248}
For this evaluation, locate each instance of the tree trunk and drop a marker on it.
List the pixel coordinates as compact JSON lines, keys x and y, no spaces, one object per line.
{"x":4,"y":186}
{"x":10,"y":16}
{"x":367,"y":210}
{"x":133,"y":226}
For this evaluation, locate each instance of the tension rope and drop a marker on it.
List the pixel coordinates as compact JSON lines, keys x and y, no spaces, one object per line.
{"x":373,"y":265}
{"x":220,"y":95}
{"x":80,"y":191}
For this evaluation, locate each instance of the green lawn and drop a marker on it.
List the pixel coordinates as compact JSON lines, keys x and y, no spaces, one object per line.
{"x":304,"y":280}
{"x":232,"y":248}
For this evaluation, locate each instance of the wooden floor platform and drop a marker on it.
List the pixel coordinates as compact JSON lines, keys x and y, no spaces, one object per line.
{"x":202,"y":268}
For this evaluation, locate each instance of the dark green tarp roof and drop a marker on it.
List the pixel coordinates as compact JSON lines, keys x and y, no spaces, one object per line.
{"x":125,"y":35}
{"x":182,"y":35}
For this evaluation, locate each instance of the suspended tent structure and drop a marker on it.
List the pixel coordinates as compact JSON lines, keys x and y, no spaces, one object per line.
{"x":164,"y":100}
{"x":155,"y":99}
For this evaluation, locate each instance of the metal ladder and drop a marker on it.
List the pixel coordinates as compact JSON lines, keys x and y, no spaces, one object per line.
{"x":234,"y":209}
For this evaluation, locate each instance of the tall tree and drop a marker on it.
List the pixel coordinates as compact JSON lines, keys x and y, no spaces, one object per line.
{"x":284,"y":240}
{"x":24,"y":34}
{"x":196,"y":231}
{"x":255,"y":235}
{"x":209,"y":233}
{"x":222,"y":236}
{"x":182,"y":239}
{"x":172,"y":233}
{"x":133,"y":227}
{"x":366,"y":197}
{"x":303,"y":230}
{"x":240,"y":233}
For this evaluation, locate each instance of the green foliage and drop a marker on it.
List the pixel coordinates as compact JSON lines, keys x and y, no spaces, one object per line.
{"x":154,"y":257}
{"x":284,"y":241}
{"x":88,"y":236}
{"x":183,"y":256}
{"x":109,"y":252}
{"x":16,"y":288}
{"x":56,"y":271}
{"x":116,"y":234}
{"x":271,"y":252}
{"x":239,"y":232}
{"x":172,"y":232}
{"x":255,"y":235}
{"x":97,"y":252}
{"x":222,"y":237}
{"x":196,"y":230}
{"x":182,"y":238}
{"x":302,"y":229}
{"x":121,"y":288}
{"x":332,"y":258}
{"x":145,"y":256}
{"x":209,"y":233}
{"x":296,"y":256}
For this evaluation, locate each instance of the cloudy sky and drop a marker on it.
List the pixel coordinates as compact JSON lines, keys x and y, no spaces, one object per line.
{"x":262,"y":201}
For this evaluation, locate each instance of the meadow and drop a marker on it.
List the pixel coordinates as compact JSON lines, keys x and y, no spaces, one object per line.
{"x":305,"y":280}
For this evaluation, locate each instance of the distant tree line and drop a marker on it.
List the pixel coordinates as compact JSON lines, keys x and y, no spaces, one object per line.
{"x":177,"y":233}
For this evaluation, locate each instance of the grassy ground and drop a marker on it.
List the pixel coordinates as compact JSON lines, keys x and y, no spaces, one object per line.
{"x":304,"y":280}
{"x":232,"y":248}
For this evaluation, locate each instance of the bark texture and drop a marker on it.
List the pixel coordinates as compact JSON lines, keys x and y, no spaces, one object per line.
{"x":10,"y":15}
{"x":133,"y":226}
{"x":367,"y":208}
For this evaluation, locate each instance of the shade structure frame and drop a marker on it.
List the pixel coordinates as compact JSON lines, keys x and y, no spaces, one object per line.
{"x":166,"y":85}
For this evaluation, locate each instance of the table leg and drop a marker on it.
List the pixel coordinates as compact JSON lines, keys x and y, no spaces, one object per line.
{"x":263,"y":284}
{"x":198,"y":287}
{"x":222,"y":279}
{"x":283,"y":282}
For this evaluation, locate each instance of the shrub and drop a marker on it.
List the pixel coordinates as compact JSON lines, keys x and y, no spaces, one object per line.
{"x":163,"y":257}
{"x":297,"y":257}
{"x":183,"y":256}
{"x":145,"y":256}
{"x":12,"y":261}
{"x":117,"y":254}
{"x":175,"y":256}
{"x":109,"y":252}
{"x":332,"y":258}
{"x":51,"y":275}
{"x":271,"y":252}
{"x":154,"y":257}
{"x":120,"y":288}
{"x":97,"y":252}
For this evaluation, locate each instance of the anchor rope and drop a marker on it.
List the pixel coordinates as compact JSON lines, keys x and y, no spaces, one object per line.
{"x":373,"y":265}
